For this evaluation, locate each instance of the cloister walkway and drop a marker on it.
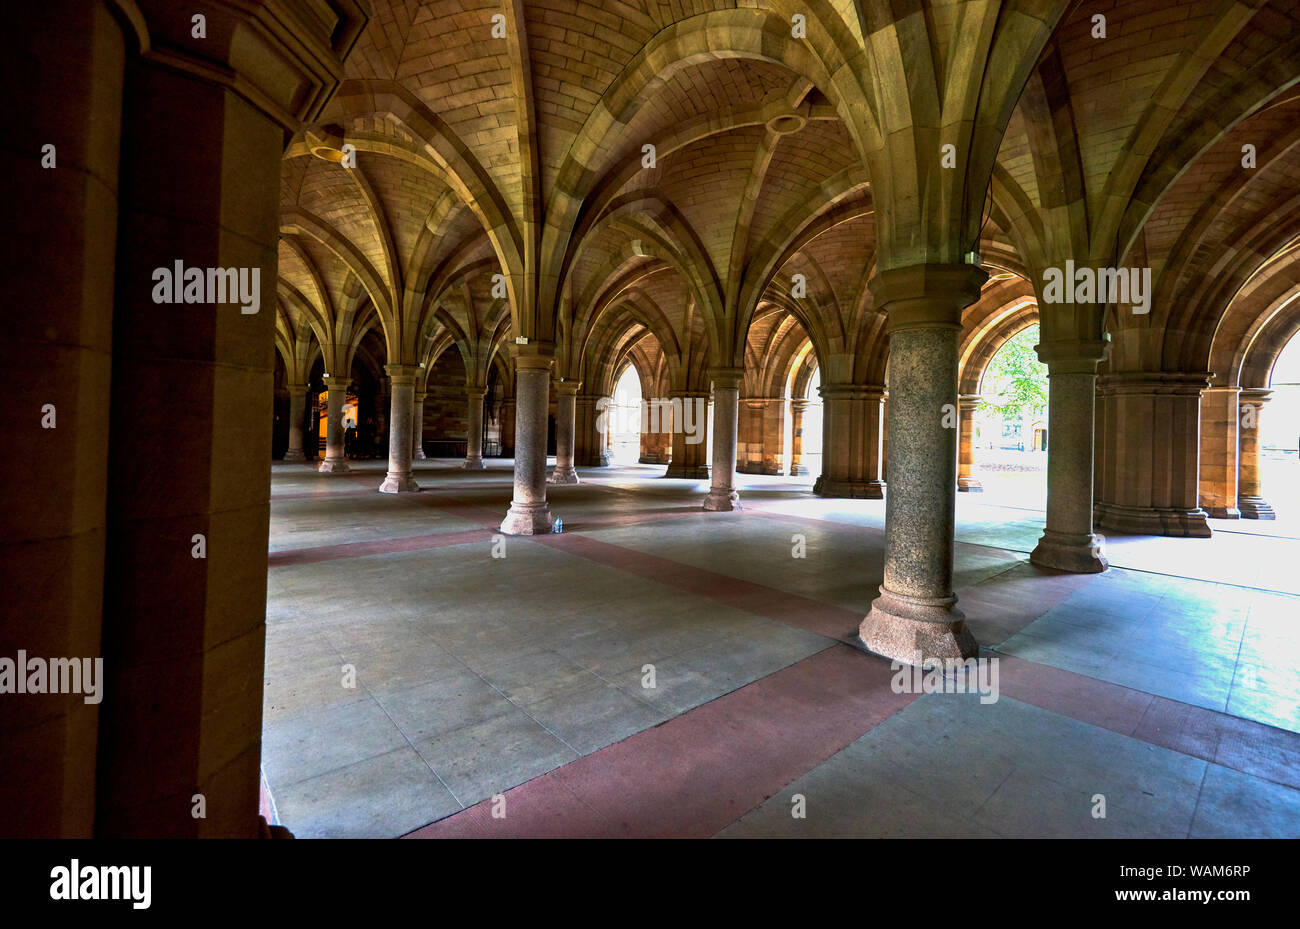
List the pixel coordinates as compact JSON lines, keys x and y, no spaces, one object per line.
{"x":1167,"y":685}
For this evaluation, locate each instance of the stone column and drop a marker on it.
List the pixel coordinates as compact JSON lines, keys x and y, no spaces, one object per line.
{"x":566,"y":393}
{"x":297,"y":413}
{"x":189,"y":459}
{"x":916,"y":616}
{"x":1150,"y":472}
{"x":884,"y":439}
{"x":474,"y":434}
{"x":1219,"y":452}
{"x":772,"y":440}
{"x":508,"y":427}
{"x":749,"y":440}
{"x":417,"y":427}
{"x":689,"y":414}
{"x":336,"y":387}
{"x":722,"y":496}
{"x":656,"y":431}
{"x":401,"y":379}
{"x":851,"y":417}
{"x":797,"y":468}
{"x":382,"y":407}
{"x":1251,"y":492}
{"x":760,"y":447}
{"x":529,"y":513}
{"x":58,"y":263}
{"x":649,"y":454}
{"x":1068,"y":542}
{"x":589,"y":430}
{"x":966,"y":481}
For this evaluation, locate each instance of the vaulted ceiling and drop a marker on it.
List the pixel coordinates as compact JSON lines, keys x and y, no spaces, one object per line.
{"x":594,"y":176}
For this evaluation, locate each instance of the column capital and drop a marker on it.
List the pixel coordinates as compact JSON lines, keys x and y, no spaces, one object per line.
{"x":299,"y":388}
{"x":283,"y":56}
{"x":799,"y":405}
{"x":401,"y":375}
{"x":1256,"y":395}
{"x":1072,"y":356}
{"x":968,"y":402}
{"x":336,"y":381}
{"x":533,"y":363}
{"x":568,"y":387}
{"x":727,"y":378}
{"x":475,"y":391}
{"x":928,"y":296}
{"x":1152,"y":383}
{"x":851,"y":391}
{"x":532,"y":356}
{"x":420,"y":395}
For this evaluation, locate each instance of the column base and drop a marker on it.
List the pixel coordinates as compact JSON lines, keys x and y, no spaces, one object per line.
{"x":1223,"y":512}
{"x":527,"y":519}
{"x":854,"y":490}
{"x":1255,"y":508}
{"x":419,"y":455}
{"x":969,"y":485}
{"x":334,"y":466}
{"x":1064,"y":551}
{"x":473,"y":464}
{"x":687,"y":471}
{"x":798,"y":470}
{"x":399,"y":482}
{"x":1136,"y":520}
{"x":294,"y":454}
{"x":722,"y":501}
{"x":563,"y":476}
{"x":913,"y":629}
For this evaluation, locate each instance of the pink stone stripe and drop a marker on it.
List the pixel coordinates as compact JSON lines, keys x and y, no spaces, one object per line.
{"x":486,"y":519}
{"x":693,"y":775}
{"x":471,"y":512}
{"x":417,"y":543}
{"x":697,"y":773}
{"x":327,"y":494}
{"x":758,"y":599}
{"x":556,"y":809}
{"x":1241,"y":744}
{"x":996,"y":608}
{"x":591,"y":523}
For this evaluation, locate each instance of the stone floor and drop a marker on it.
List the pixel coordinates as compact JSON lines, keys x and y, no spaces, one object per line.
{"x":419,"y":665}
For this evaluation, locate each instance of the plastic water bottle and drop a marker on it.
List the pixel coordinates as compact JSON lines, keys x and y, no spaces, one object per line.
{"x":558,"y":525}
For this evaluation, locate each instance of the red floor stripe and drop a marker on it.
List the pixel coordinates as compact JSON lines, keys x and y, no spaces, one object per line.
{"x":667,"y":781}
{"x":1241,"y":744}
{"x":698,"y":772}
{"x":791,"y":609}
{"x":417,"y":543}
{"x":326,"y":494}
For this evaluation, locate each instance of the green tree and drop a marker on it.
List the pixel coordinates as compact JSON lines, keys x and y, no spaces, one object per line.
{"x":1015,"y":382}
